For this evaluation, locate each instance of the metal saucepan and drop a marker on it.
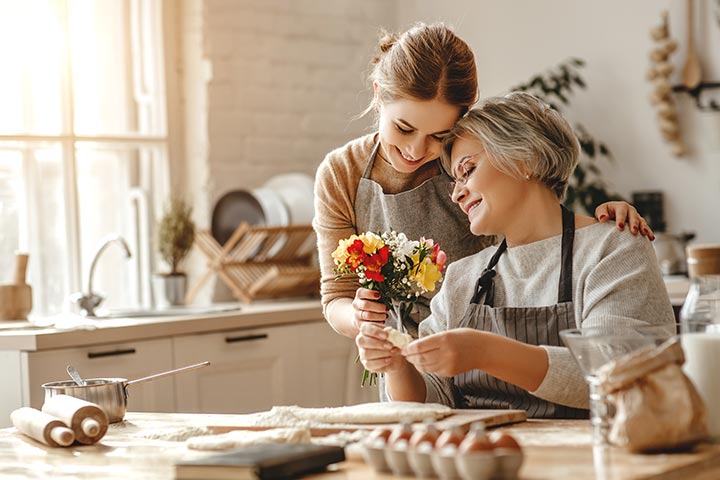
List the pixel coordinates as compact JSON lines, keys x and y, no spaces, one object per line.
{"x":109,"y":393}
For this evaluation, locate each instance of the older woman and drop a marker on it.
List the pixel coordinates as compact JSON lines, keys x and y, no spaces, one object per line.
{"x":492,"y":340}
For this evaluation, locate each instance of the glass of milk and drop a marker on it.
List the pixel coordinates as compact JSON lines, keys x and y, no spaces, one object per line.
{"x":700,"y":339}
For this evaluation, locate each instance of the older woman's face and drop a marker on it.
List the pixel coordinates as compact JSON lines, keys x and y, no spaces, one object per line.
{"x":412,"y":131}
{"x":488,"y":196}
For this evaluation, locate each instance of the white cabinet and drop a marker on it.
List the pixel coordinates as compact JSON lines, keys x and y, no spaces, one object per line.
{"x":253,"y":370}
{"x":250,"y":370}
{"x":129,"y":360}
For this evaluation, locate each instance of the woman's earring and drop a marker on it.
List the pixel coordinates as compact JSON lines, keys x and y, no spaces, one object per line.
{"x":527,"y":176}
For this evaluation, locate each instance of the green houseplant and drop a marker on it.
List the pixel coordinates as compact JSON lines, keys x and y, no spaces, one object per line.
{"x":175,"y":237}
{"x":587,"y":189}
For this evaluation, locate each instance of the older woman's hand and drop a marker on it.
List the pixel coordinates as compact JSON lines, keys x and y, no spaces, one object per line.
{"x":368,"y":308}
{"x":376,"y":353}
{"x":624,"y":214}
{"x":446,"y":353}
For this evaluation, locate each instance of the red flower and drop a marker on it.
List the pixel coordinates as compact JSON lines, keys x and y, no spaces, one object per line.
{"x":374,"y":264}
{"x":356,"y":254}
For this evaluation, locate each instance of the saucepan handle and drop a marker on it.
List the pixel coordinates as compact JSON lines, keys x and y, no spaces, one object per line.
{"x":167,"y":374}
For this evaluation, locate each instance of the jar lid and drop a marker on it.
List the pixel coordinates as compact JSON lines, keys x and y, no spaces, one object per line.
{"x":703,"y":260}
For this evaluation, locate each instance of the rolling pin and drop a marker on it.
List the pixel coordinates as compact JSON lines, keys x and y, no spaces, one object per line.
{"x":42,"y":427}
{"x":16,"y":297}
{"x":87,"y":420}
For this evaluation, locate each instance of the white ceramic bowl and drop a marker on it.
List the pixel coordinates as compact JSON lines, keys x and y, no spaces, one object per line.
{"x":444,"y":464}
{"x":476,"y":465}
{"x":420,"y":460}
{"x":375,"y":457}
{"x":508,"y":462}
{"x":296,"y":192}
{"x":397,"y":459}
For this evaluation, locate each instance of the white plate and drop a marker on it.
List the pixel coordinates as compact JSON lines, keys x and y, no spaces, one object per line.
{"x":296,"y":192}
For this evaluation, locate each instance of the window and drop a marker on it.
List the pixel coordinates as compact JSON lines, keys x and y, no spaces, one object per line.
{"x":83,"y":144}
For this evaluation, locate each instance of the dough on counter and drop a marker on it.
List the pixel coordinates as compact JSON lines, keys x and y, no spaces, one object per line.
{"x":244,"y":438}
{"x":397,"y":338}
{"x":377,"y":412}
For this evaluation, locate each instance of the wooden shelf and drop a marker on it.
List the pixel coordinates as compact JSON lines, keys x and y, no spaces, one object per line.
{"x":261,"y":262}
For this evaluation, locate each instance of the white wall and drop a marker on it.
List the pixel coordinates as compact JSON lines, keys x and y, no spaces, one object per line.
{"x":515,"y":39}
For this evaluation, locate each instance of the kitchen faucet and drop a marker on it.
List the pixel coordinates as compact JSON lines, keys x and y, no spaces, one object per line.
{"x":89,"y":301}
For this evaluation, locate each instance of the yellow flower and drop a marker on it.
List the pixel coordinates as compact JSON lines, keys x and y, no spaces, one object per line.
{"x":371,"y":242}
{"x":340,"y":254}
{"x":426,"y":275}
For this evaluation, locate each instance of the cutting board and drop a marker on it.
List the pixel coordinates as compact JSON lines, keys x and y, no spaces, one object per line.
{"x":461,"y":418}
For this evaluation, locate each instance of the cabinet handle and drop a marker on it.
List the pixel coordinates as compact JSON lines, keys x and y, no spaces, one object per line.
{"x":128,"y":351}
{"x":246,"y":338}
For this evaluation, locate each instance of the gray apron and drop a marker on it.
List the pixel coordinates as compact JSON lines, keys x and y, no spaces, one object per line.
{"x":532,"y":325}
{"x":425,"y":211}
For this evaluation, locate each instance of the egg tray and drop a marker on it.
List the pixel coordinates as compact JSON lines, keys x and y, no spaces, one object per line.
{"x":446,"y":463}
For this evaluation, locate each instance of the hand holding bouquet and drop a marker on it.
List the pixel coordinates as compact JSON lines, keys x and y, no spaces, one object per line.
{"x":399,"y":269}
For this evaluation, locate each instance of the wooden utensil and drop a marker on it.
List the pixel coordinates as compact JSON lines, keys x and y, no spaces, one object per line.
{"x":691,"y":75}
{"x":16,"y":297}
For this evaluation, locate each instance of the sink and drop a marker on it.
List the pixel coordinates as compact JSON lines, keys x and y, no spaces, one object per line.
{"x":175,"y":311}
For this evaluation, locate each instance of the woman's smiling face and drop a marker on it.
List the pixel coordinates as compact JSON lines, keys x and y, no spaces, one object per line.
{"x":411,"y":131}
{"x":488,"y":196}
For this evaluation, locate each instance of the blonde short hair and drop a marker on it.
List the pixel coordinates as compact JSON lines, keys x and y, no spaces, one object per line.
{"x":521,"y":135}
{"x":426,"y":62}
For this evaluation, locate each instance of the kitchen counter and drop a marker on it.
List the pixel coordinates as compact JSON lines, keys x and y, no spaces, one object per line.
{"x":553,"y":449}
{"x":114,"y":330}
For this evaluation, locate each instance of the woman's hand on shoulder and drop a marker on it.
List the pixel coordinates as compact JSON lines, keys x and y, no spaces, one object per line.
{"x":367,"y":308}
{"x":376,"y":353}
{"x":446,"y":353}
{"x":624,"y":214}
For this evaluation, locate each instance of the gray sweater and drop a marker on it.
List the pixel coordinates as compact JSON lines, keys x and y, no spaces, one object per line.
{"x":616,"y":280}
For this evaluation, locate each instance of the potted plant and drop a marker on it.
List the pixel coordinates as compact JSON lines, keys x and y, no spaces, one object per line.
{"x":175,"y":237}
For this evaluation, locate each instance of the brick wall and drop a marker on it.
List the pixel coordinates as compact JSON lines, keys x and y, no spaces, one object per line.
{"x":287,"y":77}
{"x":269,"y":87}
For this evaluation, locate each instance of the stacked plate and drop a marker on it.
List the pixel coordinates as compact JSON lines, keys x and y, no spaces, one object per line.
{"x":283,"y":200}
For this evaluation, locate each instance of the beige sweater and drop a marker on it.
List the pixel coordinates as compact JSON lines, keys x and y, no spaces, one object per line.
{"x":336,"y":183}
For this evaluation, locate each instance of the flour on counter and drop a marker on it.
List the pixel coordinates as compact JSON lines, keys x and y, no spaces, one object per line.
{"x":365,"y":413}
{"x":244,"y":438}
{"x":175,"y":434}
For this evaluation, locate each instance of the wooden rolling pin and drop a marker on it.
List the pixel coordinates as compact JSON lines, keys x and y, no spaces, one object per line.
{"x":16,"y":297}
{"x":42,"y":427}
{"x":88,"y":421}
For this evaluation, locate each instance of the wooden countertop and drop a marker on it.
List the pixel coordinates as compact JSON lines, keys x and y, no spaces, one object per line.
{"x":554,"y":449}
{"x":87,"y":331}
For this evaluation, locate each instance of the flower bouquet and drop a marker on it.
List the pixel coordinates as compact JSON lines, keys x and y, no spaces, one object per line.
{"x":397,"y":268}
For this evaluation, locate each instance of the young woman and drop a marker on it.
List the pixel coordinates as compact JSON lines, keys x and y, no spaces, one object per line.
{"x":423,"y":81}
{"x":492,"y":339}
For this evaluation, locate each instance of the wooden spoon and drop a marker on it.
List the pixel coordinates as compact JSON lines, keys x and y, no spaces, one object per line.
{"x":691,"y":75}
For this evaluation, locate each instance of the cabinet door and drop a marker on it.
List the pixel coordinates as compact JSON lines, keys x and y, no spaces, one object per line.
{"x":251,"y":370}
{"x":130,"y":360}
{"x":327,"y":361}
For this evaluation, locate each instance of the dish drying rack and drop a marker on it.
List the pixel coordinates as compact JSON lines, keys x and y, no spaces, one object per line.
{"x":261,"y":262}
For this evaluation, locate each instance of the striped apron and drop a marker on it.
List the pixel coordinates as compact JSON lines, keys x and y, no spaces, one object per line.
{"x":531,"y":325}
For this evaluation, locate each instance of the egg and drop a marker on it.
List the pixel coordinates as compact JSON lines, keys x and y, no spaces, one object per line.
{"x":402,"y":432}
{"x":504,"y":440}
{"x":475,"y":441}
{"x":452,"y":437}
{"x":379,"y":435}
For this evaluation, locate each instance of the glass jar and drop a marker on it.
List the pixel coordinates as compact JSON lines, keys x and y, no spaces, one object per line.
{"x":700,"y":329}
